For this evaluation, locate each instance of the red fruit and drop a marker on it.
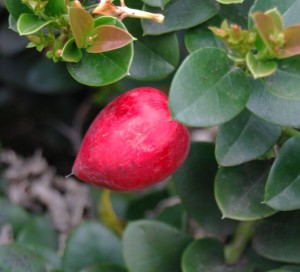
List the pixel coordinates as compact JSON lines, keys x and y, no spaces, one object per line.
{"x":133,"y":143}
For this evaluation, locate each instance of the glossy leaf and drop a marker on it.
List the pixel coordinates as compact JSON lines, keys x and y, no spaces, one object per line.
{"x":194,"y":185}
{"x":33,"y":233}
{"x":287,"y":8}
{"x":156,"y":3}
{"x":174,"y":216}
{"x":292,"y":42}
{"x":17,"y":258}
{"x":108,"y":38}
{"x":82,"y":24}
{"x":30,"y":23}
{"x":200,"y":37}
{"x":244,"y":138}
{"x":207,"y":255}
{"x":277,"y":237}
{"x":91,"y":243}
{"x":70,"y":52}
{"x":288,"y":268}
{"x":16,"y":8}
{"x":180,"y":15}
{"x":103,"y":68}
{"x":259,"y":68}
{"x":273,"y":108}
{"x":203,"y":94}
{"x":283,"y":186}
{"x":151,"y":246}
{"x":239,"y":191}
{"x":105,"y":20}
{"x":55,"y":7}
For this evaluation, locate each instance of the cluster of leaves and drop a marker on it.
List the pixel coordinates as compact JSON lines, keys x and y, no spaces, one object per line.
{"x":249,"y":176}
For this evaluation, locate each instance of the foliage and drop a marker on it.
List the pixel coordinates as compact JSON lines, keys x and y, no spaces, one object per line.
{"x":232,"y":65}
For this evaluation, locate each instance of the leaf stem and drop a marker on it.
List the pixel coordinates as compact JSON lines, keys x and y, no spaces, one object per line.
{"x":290,"y":132}
{"x":108,"y":215}
{"x":241,"y":238}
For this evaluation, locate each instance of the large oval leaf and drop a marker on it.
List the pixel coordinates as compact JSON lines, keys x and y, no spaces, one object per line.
{"x":16,"y":258}
{"x":103,"y":68}
{"x":273,"y":108}
{"x":244,"y":138}
{"x":194,"y":185}
{"x":151,"y":246}
{"x":277,"y":237}
{"x":180,"y":15}
{"x":283,"y":185}
{"x":207,"y":89}
{"x":239,"y":191}
{"x":91,"y":243}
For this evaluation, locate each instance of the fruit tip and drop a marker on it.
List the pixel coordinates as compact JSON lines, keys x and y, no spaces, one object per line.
{"x":69,"y":175}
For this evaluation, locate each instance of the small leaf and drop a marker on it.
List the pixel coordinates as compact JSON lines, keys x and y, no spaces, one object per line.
{"x":208,"y":89}
{"x":260,"y":68}
{"x":277,"y":237}
{"x":16,"y":8}
{"x":283,"y":185}
{"x":156,"y":3}
{"x":17,"y":258}
{"x":70,"y":52}
{"x":105,"y":20}
{"x":91,"y":243}
{"x":292,"y":42}
{"x":277,"y":18}
{"x":239,"y":191}
{"x":151,"y":246}
{"x":244,"y":138}
{"x":30,"y":23}
{"x":55,"y":7}
{"x":82,"y":24}
{"x":108,"y":38}
{"x":207,"y":255}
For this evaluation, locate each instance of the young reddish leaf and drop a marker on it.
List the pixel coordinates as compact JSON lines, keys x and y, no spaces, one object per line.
{"x":82,"y":25}
{"x":107,"y":37}
{"x":265,"y":26}
{"x":292,"y":42}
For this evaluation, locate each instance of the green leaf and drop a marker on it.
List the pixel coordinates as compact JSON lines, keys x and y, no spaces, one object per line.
{"x":277,"y":237}
{"x":16,"y":8}
{"x":287,"y":8}
{"x":103,"y":68}
{"x":30,"y":23}
{"x":208,"y":89}
{"x":180,"y":15}
{"x":200,"y":37}
{"x":16,"y":258}
{"x":173,"y":216}
{"x":273,"y":108}
{"x":230,"y":1}
{"x":55,"y":7}
{"x":260,"y":68}
{"x":283,"y":185}
{"x":103,"y":268}
{"x":108,"y":38}
{"x":91,"y":243}
{"x":13,"y":214}
{"x":33,"y":233}
{"x":156,"y":3}
{"x":287,"y":268}
{"x":207,"y":255}
{"x":244,"y":138}
{"x":194,"y":185}
{"x":285,"y":81}
{"x":82,"y":24}
{"x":70,"y":52}
{"x":105,"y":20}
{"x":151,"y":246}
{"x":239,"y":191}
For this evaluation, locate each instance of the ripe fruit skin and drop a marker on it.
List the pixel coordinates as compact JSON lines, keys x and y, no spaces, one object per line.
{"x":132,"y":143}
